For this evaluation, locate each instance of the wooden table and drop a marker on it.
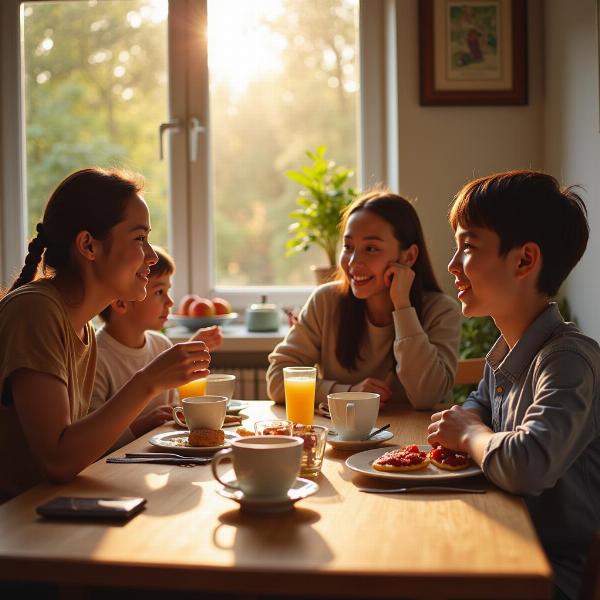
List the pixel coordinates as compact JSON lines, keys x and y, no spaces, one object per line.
{"x":337,"y":543}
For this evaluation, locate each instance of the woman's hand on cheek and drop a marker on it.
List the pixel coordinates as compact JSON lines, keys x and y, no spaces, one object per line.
{"x":399,"y":278}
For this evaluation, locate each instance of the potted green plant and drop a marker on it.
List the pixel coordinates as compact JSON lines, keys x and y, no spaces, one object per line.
{"x":326,"y":192}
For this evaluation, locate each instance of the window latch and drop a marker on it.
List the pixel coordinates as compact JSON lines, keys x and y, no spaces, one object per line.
{"x":196,"y":128}
{"x":170,"y":125}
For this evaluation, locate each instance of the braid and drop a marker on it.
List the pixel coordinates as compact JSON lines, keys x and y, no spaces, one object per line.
{"x":32,"y":260}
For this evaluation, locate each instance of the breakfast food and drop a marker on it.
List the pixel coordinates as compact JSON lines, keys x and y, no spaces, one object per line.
{"x":206,"y":437}
{"x":409,"y":458}
{"x":243,"y":432}
{"x":447,"y":459}
{"x":232,"y":420}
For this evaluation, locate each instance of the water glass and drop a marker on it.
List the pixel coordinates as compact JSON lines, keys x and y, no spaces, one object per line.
{"x":274,"y":427}
{"x":313,"y":449}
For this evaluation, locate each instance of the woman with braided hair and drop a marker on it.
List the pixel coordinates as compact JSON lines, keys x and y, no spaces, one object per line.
{"x":90,"y":249}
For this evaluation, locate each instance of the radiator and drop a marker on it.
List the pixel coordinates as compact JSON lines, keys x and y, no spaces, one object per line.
{"x":250,"y":383}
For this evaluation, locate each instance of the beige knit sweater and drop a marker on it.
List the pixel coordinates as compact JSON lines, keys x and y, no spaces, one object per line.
{"x":420,"y":371}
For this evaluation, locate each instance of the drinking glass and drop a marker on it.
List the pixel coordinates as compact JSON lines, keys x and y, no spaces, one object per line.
{"x":313,"y":449}
{"x":274,"y":427}
{"x":197,"y":387}
{"x":299,"y":384}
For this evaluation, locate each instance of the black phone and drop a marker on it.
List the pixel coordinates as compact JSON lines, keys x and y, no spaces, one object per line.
{"x":118,"y":509}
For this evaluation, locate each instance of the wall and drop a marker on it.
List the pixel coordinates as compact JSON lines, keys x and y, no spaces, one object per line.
{"x":441,"y":148}
{"x":572,"y":145}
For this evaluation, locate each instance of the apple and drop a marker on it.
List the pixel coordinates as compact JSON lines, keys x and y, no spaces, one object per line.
{"x":184,"y":304}
{"x":222,"y":306}
{"x":202,"y":307}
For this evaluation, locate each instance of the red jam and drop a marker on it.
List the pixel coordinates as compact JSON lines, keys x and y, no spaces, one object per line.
{"x":449,"y":457}
{"x":404,"y":457}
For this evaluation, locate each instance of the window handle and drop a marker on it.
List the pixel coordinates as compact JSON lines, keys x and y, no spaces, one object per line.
{"x":174,"y":125}
{"x":196,"y":128}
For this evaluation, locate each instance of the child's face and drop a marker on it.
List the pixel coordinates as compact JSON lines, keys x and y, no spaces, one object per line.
{"x":152,"y":312}
{"x":369,"y":248}
{"x":484,"y":279}
{"x":125,"y":265}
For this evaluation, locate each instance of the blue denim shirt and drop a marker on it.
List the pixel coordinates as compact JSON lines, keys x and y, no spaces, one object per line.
{"x":542,"y":400}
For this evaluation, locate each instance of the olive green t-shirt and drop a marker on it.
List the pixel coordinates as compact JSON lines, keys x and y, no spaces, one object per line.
{"x":36,"y":334}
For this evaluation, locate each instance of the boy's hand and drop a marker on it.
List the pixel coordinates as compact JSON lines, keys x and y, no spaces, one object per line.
{"x":454,"y":428}
{"x":375,"y":386}
{"x":211,"y":336}
{"x":157,"y":416}
{"x":176,"y":366}
{"x":399,"y":278}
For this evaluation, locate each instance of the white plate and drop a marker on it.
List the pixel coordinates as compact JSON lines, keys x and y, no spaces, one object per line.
{"x":193,"y":323}
{"x":363,"y":463}
{"x":301,"y":489}
{"x":177,"y":441}
{"x":234,"y":406}
{"x":376,"y":440}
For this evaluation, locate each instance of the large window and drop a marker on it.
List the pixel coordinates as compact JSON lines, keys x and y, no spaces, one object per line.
{"x":283,"y":79}
{"x":95,"y":90}
{"x":240,"y":90}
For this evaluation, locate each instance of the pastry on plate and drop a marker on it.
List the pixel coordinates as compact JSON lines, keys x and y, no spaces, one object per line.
{"x":206,"y":437}
{"x":450,"y":460}
{"x":243,"y":432}
{"x":409,"y":458}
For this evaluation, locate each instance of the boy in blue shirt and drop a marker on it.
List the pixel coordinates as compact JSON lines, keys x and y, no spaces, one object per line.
{"x":533,"y":423}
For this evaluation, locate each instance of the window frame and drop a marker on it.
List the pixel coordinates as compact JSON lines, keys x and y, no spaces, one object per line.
{"x":189,"y":182}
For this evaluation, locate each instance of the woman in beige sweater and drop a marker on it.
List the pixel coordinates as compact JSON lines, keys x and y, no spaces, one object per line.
{"x":384,"y":325}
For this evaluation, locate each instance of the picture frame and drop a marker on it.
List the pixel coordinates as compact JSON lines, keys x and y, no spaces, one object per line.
{"x":473,"y":52}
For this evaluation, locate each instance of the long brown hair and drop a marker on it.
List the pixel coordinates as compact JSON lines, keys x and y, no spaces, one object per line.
{"x":401,"y":215}
{"x":91,"y":200}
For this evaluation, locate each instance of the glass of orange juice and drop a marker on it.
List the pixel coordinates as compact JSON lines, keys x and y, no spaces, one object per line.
{"x":197,"y":387}
{"x":299,"y":384}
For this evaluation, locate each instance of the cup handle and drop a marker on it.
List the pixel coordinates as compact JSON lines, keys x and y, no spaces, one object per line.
{"x":350,"y":415}
{"x":176,"y":411}
{"x":217,"y":458}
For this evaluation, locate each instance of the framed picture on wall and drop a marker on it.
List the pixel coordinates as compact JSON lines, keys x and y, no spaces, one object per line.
{"x":473,"y":52}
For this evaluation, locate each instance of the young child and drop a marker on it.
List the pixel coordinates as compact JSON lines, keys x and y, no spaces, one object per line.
{"x":384,"y":326}
{"x":130,"y":339}
{"x":533,"y":422}
{"x":93,"y":246}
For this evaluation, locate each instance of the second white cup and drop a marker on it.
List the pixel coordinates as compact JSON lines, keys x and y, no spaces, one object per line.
{"x":201,"y":412}
{"x":220,"y":384}
{"x":353,"y":414}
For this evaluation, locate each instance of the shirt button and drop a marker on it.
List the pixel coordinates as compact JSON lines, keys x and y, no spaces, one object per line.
{"x":499,"y":389}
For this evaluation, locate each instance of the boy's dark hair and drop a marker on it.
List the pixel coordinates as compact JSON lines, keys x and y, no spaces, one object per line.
{"x":528,"y":206}
{"x":165,"y":265}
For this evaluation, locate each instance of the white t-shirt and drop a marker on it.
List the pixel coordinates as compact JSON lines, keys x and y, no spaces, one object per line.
{"x":116,"y":365}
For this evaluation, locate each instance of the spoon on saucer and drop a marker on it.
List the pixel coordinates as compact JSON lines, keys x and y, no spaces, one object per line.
{"x":374,"y":433}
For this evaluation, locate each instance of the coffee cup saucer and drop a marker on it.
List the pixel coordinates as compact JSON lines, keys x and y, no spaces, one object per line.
{"x":302,"y":488}
{"x":376,"y":440}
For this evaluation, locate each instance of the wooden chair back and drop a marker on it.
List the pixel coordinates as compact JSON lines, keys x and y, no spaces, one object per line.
{"x":470,"y":371}
{"x":590,"y":582}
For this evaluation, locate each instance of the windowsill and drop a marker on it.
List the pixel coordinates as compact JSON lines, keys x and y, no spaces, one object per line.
{"x":236,"y":338}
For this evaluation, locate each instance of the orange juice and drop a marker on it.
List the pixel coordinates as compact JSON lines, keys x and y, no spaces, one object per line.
{"x":300,"y":399}
{"x":197,"y":387}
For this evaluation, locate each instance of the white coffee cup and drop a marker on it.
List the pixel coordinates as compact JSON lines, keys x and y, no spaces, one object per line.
{"x":264,"y":466}
{"x":353,"y":414}
{"x":201,"y":412}
{"x":220,"y":384}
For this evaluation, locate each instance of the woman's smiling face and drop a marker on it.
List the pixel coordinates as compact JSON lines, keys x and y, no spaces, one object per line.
{"x":369,"y":248}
